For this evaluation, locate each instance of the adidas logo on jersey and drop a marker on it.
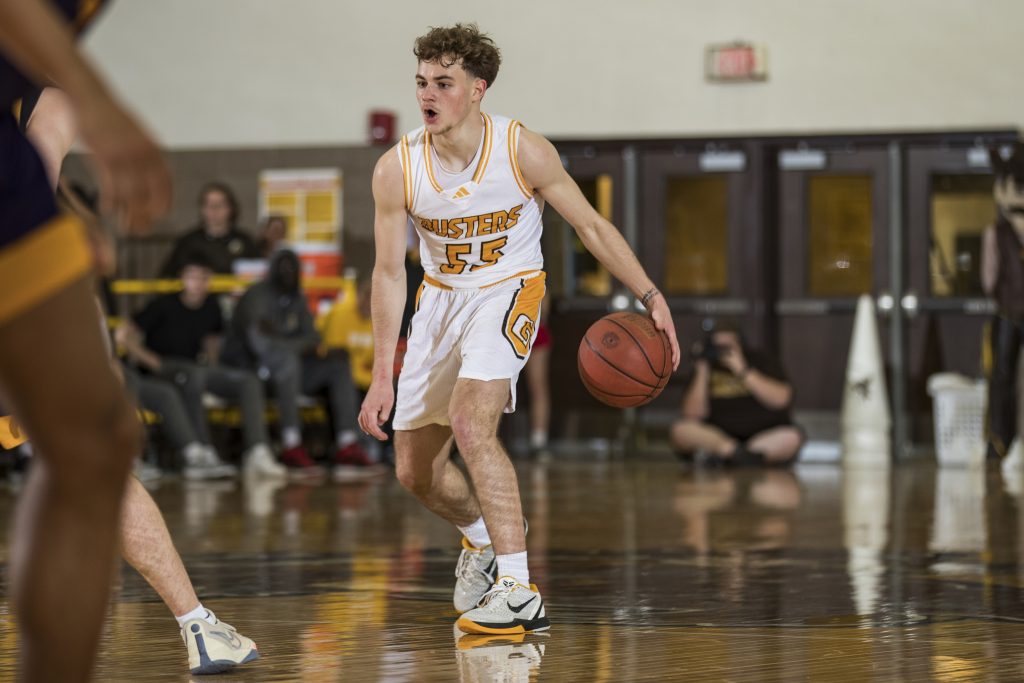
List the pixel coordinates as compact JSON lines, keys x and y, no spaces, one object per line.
{"x":461,"y":193}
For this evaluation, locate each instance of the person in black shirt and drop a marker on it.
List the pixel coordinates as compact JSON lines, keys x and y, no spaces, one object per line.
{"x":736,"y":408}
{"x":218,"y":238}
{"x":176,"y":338}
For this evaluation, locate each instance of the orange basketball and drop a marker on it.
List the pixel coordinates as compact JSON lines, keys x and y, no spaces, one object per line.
{"x":624,"y":361}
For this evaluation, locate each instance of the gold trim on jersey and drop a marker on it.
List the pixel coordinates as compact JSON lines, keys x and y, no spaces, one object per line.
{"x":524,"y":274}
{"x":40,"y":264}
{"x":513,"y":148}
{"x":481,"y":166}
{"x":407,"y":183}
{"x":485,"y":155}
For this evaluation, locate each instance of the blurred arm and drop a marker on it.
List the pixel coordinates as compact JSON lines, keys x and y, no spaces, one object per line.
{"x":696,"y":405}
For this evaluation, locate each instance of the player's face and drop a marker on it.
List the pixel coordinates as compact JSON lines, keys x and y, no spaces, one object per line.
{"x":445,"y":95}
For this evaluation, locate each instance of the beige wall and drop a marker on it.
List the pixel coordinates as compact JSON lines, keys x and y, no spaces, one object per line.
{"x":243,"y":73}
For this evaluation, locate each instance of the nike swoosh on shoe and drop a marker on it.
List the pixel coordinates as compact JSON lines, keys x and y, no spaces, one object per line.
{"x":520,"y":608}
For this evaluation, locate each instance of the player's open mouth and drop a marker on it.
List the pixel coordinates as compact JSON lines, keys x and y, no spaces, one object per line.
{"x":429,"y":115}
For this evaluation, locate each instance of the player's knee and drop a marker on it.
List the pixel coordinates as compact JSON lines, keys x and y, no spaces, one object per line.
{"x":102,"y":444}
{"x":791,"y":442}
{"x":680,"y":432}
{"x":469,"y":432}
{"x":416,"y":481}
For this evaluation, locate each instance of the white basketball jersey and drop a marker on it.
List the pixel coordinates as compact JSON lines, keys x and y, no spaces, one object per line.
{"x":478,"y":226}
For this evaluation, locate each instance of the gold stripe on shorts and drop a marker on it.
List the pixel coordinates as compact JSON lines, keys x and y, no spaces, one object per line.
{"x":42,"y":263}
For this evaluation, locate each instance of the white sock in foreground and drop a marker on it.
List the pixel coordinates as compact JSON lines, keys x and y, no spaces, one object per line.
{"x":198,"y":613}
{"x":514,"y":565}
{"x":476,"y":533}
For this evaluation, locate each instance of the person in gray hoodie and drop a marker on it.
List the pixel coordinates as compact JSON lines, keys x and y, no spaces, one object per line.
{"x":272,"y":332}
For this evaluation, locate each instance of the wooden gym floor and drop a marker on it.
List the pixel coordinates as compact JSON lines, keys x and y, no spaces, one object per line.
{"x":650,"y":572}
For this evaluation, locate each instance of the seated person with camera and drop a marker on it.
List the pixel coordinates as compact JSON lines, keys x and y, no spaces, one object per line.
{"x":736,"y":408}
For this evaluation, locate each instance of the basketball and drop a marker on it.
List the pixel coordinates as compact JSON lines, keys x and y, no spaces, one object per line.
{"x":624,"y":361}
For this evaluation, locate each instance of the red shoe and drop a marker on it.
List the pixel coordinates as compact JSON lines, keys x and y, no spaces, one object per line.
{"x":298,"y":461}
{"x":351,"y":463}
{"x":352,"y":455}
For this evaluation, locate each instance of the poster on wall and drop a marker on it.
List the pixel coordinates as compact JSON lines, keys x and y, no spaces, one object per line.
{"x":309,"y":201}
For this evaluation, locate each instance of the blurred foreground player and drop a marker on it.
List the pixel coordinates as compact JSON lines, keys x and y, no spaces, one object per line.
{"x":213,"y":646}
{"x":54,"y":374}
{"x":474,"y":186}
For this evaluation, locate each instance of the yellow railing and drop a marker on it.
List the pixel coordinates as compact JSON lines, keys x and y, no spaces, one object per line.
{"x":218,"y":284}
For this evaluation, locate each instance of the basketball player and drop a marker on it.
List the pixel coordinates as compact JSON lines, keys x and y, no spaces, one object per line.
{"x":53,"y":371}
{"x":474,"y":186}
{"x":213,"y":646}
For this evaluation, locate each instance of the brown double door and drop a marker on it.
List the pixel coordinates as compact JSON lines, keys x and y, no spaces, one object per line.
{"x":834,"y":244}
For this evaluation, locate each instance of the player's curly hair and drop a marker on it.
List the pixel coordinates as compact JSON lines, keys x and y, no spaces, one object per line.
{"x":462,"y":44}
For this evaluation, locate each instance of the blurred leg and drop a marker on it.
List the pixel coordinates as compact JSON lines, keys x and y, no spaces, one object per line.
{"x":1002,"y":394}
{"x":692,"y":435}
{"x":57,"y":379}
{"x":778,"y":445}
{"x":244,"y":389}
{"x":537,"y":378}
{"x":190,"y":381}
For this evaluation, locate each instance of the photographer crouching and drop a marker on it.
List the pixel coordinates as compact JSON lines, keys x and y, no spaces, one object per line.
{"x":736,"y":408}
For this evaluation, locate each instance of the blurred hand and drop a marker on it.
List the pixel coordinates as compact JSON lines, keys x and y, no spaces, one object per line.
{"x":377,"y":408}
{"x":662,"y":318}
{"x":135,"y":183}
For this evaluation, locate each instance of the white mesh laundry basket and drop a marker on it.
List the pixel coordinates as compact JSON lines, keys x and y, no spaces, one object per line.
{"x":959,"y":414}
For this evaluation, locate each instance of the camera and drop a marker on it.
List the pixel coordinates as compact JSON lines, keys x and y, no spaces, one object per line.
{"x":710,"y":351}
{"x":707,"y":349}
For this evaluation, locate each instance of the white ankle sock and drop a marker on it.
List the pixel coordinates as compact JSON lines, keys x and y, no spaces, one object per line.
{"x":476,"y":533}
{"x":199,"y":612}
{"x":291,"y":437}
{"x":514,"y":565}
{"x":347,"y":437}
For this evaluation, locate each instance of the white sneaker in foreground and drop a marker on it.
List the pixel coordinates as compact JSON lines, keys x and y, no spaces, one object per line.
{"x":508,"y":607}
{"x":259,"y":461}
{"x":216,"y":648}
{"x":475,"y":573}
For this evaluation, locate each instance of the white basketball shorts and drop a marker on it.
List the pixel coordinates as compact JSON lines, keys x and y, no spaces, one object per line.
{"x":483,"y":334}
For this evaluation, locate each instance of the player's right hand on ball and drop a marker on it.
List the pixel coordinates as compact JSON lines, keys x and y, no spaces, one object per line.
{"x":377,"y":408}
{"x":135,"y":183}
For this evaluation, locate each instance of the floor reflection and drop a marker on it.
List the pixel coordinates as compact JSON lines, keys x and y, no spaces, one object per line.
{"x":649,"y":572}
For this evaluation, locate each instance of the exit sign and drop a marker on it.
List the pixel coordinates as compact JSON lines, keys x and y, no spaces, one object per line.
{"x":735,"y":63}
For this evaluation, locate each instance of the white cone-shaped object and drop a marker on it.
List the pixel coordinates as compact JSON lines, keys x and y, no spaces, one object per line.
{"x":865,"y":420}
